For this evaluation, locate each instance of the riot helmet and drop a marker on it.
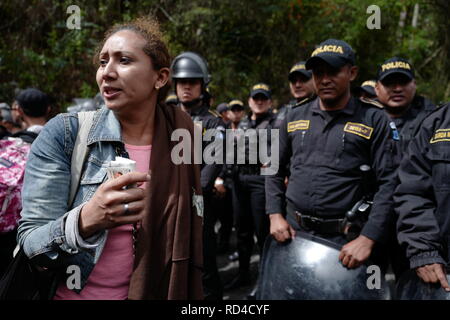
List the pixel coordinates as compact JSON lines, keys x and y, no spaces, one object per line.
{"x":190,"y":65}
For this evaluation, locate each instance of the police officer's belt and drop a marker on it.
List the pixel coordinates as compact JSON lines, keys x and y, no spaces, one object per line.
{"x":250,"y":169}
{"x":320,"y":225}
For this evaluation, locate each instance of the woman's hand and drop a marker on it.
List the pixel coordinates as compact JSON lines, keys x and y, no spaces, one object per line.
{"x":112,"y":206}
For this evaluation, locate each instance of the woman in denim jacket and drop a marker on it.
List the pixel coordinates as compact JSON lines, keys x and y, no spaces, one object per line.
{"x":93,"y":242}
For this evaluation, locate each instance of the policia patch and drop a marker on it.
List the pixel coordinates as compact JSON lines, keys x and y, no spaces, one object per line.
{"x":359,"y":129}
{"x":441,"y":135}
{"x":298,"y":125}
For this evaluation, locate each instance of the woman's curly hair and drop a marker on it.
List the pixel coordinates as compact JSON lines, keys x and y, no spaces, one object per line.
{"x":155,"y":47}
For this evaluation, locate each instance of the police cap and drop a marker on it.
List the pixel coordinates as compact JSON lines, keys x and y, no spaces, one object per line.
{"x":393,"y":66}
{"x":368,"y":86}
{"x":223,"y":107}
{"x":261,"y":88}
{"x":236,"y":105}
{"x":299,"y":67}
{"x":336,"y":53}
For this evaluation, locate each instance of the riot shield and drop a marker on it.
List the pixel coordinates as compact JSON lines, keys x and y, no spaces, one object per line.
{"x":308,"y":268}
{"x":411,"y":287}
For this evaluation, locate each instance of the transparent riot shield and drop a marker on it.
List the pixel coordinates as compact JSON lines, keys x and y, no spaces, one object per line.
{"x":308,"y":268}
{"x":411,"y":287}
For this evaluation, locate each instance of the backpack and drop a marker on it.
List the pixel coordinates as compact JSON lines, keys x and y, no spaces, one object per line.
{"x":13,"y":157}
{"x":22,"y":280}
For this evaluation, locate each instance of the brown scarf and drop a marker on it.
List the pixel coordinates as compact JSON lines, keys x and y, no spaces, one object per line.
{"x":168,"y":262}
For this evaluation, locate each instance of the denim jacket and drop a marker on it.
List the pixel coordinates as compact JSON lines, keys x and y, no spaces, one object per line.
{"x":48,"y":229}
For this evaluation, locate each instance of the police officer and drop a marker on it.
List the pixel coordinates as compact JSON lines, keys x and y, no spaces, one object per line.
{"x":222,"y":196}
{"x":235,"y":113}
{"x":250,"y":212}
{"x":224,"y":185}
{"x":396,"y":91}
{"x":422,"y":199}
{"x":191,"y":77}
{"x":366,"y":90}
{"x":222,"y":110}
{"x":301,"y":87}
{"x":327,"y":140}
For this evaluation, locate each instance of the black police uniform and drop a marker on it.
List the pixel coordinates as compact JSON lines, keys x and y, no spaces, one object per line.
{"x":224,"y":206}
{"x":283,"y":111}
{"x":406,"y":126}
{"x":296,"y":70}
{"x":422,"y":199}
{"x":209,"y":172}
{"x":250,"y":196}
{"x":325,"y":151}
{"x":286,"y":108}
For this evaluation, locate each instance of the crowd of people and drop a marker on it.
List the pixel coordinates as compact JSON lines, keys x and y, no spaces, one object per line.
{"x":151,"y":234}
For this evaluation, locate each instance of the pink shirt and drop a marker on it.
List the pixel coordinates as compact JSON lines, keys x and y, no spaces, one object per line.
{"x":111,"y":275}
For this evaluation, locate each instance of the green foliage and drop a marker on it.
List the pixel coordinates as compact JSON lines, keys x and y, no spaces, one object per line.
{"x":245,"y":42}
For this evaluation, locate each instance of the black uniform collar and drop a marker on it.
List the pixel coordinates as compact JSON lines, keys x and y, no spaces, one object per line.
{"x":421,"y":103}
{"x":349,"y":109}
{"x":198,"y":110}
{"x":418,"y":104}
{"x":260,"y":118}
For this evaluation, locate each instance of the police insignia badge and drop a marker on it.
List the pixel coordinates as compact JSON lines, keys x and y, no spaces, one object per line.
{"x":359,"y":129}
{"x":298,"y":125}
{"x":441,"y":135}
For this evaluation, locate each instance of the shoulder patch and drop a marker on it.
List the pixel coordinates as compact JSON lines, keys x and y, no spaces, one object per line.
{"x":214,"y":113}
{"x":440,"y":135}
{"x":298,"y":125}
{"x":303,"y":102}
{"x":359,"y":129}
{"x":372,"y":102}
